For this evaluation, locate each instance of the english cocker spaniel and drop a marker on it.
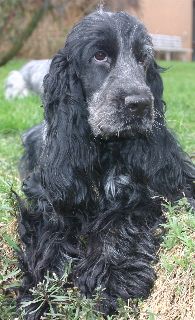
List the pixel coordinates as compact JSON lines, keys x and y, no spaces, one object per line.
{"x":97,"y":169}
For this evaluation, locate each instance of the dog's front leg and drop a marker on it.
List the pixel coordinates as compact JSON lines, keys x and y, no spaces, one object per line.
{"x":49,"y":243}
{"x":119,"y":258}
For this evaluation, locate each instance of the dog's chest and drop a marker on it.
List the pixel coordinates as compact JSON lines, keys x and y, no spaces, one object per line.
{"x":114,"y":185}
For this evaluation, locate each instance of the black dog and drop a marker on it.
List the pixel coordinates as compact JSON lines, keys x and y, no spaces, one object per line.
{"x":97,"y":170}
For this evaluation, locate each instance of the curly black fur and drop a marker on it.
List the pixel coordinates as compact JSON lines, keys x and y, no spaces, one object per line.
{"x":100,"y":165}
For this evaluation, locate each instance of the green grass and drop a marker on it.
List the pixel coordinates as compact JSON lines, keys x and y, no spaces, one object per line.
{"x":179,"y":92}
{"x":18,"y":115}
{"x":180,"y":226}
{"x":15,"y":117}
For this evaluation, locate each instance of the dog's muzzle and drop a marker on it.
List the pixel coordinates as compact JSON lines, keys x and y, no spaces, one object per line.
{"x":120,"y":108}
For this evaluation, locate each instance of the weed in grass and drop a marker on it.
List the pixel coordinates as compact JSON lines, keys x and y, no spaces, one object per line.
{"x":70,"y":304}
{"x":7,"y":308}
{"x":151,"y":315}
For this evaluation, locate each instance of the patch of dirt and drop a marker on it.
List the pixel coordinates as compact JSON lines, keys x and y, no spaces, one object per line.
{"x":173,"y":297}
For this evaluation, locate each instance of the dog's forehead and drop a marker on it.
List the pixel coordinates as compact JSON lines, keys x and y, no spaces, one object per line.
{"x":101,"y":23}
{"x":119,"y":21}
{"x":107,"y":31}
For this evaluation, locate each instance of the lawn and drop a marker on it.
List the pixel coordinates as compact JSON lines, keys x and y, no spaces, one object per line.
{"x":172,"y":297}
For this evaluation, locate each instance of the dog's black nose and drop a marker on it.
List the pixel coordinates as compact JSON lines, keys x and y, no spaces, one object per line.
{"x":137,"y":104}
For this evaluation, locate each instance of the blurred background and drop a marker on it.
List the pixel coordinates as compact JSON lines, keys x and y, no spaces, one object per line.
{"x":36,"y":29}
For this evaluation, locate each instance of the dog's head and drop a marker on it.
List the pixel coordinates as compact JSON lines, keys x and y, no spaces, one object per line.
{"x":112,"y":56}
{"x":103,"y":83}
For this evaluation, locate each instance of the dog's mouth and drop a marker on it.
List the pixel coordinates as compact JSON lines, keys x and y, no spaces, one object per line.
{"x":125,"y":127}
{"x":113,"y":120}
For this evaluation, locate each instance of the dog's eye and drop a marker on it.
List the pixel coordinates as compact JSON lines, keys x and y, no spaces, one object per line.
{"x":101,"y":56}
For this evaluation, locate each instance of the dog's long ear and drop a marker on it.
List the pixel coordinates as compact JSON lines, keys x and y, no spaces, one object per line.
{"x":68,"y":152}
{"x":155,"y":83}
